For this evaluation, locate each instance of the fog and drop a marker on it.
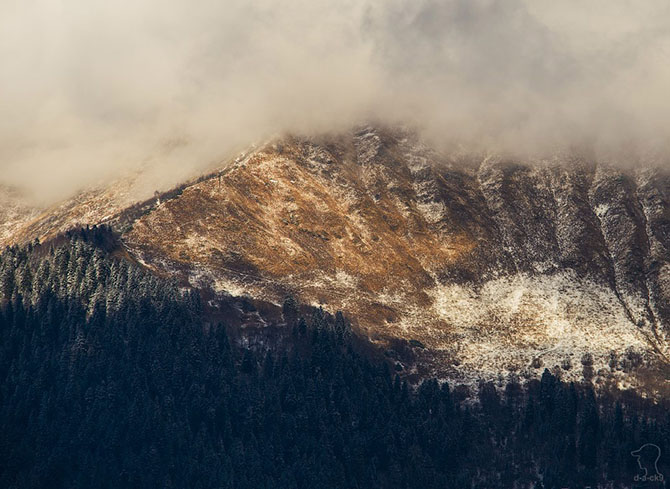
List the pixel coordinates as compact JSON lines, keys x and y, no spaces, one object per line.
{"x":92,"y":89}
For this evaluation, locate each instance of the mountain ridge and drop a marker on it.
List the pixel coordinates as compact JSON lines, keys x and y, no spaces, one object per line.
{"x":496,"y":265}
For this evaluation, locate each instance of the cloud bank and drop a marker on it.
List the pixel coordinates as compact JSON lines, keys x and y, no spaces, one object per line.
{"x":89,"y":88}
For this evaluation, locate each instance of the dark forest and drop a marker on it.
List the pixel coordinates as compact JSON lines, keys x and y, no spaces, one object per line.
{"x":114,"y":377}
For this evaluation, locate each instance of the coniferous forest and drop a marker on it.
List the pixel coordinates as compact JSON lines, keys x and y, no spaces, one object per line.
{"x":114,"y":377}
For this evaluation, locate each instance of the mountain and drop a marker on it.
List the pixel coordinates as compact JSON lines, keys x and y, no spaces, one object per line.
{"x":465,"y":266}
{"x":112,"y":376}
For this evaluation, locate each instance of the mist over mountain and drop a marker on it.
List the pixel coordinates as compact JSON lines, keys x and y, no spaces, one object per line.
{"x":92,"y":89}
{"x":361,"y":244}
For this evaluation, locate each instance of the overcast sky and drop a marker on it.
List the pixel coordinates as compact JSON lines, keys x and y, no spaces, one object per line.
{"x":92,"y":87}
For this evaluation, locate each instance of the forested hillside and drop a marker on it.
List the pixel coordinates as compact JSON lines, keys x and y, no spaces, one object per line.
{"x":113,"y":377}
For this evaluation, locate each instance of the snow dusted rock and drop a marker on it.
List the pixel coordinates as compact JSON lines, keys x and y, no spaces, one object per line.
{"x":15,"y":211}
{"x":497,"y":266}
{"x":614,"y":199}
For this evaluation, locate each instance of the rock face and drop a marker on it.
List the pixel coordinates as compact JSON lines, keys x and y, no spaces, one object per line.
{"x":495,"y":265}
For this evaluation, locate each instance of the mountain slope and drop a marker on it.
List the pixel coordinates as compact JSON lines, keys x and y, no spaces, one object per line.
{"x":494,"y":265}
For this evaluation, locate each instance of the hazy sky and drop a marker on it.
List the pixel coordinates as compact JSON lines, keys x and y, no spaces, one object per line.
{"x":89,"y":87}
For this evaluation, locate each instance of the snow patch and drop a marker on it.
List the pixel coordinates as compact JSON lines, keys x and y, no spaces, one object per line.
{"x":513,"y":319}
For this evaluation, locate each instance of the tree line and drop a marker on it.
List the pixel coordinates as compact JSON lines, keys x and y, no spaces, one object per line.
{"x":110,"y":378}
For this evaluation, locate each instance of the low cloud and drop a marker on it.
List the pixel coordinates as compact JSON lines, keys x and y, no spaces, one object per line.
{"x":91,"y":88}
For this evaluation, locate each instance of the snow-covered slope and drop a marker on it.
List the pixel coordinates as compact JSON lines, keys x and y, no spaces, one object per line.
{"x":497,"y":266}
{"x":15,"y":212}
